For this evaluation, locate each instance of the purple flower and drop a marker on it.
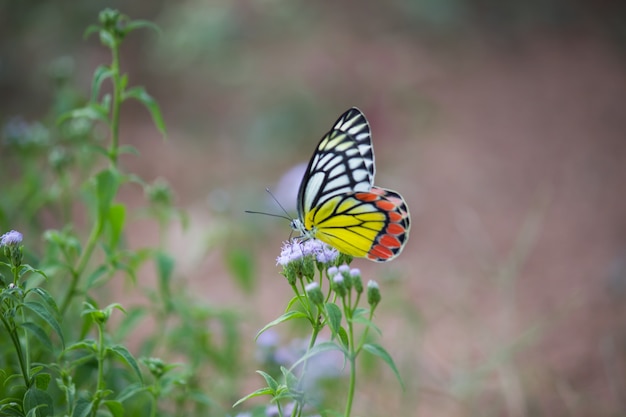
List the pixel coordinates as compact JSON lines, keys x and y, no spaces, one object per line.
{"x":291,"y":251}
{"x":296,"y":249}
{"x":12,"y":238}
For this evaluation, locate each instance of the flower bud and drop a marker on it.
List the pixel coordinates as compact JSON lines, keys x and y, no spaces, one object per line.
{"x":373,"y":293}
{"x":339,"y":286}
{"x":314,"y":293}
{"x":355,"y":274}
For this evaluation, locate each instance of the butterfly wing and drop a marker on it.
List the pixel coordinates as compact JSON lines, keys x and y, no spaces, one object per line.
{"x":373,"y":224}
{"x":338,"y":203}
{"x":343,"y":162}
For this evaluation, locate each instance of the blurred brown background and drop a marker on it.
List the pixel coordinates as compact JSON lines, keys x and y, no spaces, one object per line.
{"x":502,"y":123}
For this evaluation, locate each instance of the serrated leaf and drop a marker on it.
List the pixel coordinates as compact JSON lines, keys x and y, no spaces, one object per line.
{"x":290,"y":315}
{"x":115,"y":407}
{"x":39,"y":334}
{"x":334,"y":317}
{"x":379,"y":351}
{"x":101,"y":73}
{"x":257,"y":393}
{"x":140,"y":94}
{"x":127,"y":357}
{"x":43,"y":312}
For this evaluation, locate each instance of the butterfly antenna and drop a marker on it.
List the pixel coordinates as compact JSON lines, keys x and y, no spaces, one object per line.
{"x":286,"y":216}
{"x":279,"y":205}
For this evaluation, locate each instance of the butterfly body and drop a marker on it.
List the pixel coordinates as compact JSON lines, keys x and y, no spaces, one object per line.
{"x":338,"y":202}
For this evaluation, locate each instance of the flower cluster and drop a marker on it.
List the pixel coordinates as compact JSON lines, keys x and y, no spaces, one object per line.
{"x":300,"y":258}
{"x":295,"y":250}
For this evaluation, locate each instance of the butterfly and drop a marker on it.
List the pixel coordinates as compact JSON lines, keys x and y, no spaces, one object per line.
{"x":338,"y":202}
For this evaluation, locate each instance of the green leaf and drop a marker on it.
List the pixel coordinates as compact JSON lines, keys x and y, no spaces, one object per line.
{"x":129,"y":322}
{"x":106,"y":187}
{"x":92,"y":111}
{"x":107,"y":39}
{"x":101,"y":73}
{"x":90,"y":29}
{"x":257,"y":393}
{"x":139,"y":93}
{"x":290,"y":315}
{"x":115,"y":407}
{"x":123,"y":83}
{"x":82,"y":408}
{"x":42,"y":380}
{"x":88,"y":345}
{"x":343,"y":336}
{"x":39,"y":334}
{"x":41,"y":401}
{"x":95,"y":274}
{"x":127,"y":357}
{"x":334,"y":317}
{"x":43,"y":312}
{"x":129,"y":150}
{"x":130,"y":391}
{"x":50,"y":304}
{"x":165,"y":268}
{"x":24,"y":268}
{"x":117,"y":219}
{"x":138,"y":24}
{"x":379,"y":351}
{"x":240,"y":263}
{"x":364,"y":320}
{"x":269,"y":380}
{"x":320,"y":348}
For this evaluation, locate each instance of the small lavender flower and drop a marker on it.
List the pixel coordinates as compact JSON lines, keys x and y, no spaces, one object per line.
{"x":332,"y":271}
{"x":12,"y":249}
{"x":327,"y":254}
{"x":291,"y":251}
{"x":12,"y":238}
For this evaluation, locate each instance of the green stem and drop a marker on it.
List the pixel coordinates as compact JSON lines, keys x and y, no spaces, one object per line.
{"x":18,"y":349}
{"x":82,"y":264}
{"x":117,"y":101}
{"x":352,"y":359}
{"x":100,"y":359}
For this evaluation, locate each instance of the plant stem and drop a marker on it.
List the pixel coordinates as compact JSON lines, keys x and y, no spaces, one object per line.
{"x":117,"y":101}
{"x":352,"y":358}
{"x":18,"y":349}
{"x":82,"y":264}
